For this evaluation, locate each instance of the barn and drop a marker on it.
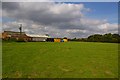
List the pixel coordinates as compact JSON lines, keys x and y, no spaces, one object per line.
{"x":37,"y":38}
{"x":6,"y":35}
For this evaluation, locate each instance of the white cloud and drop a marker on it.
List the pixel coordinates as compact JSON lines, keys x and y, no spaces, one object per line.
{"x":75,"y":30}
{"x":63,"y":8}
{"x":56,"y":19}
{"x":27,"y":1}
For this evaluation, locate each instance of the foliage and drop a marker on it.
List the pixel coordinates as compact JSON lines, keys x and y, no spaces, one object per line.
{"x":20,"y":40}
{"x":111,"y":38}
{"x":9,"y":40}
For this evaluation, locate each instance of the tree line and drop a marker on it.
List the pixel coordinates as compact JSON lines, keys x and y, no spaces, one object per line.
{"x":111,"y":38}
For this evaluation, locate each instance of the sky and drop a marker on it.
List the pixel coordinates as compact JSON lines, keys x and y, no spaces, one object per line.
{"x":61,"y":19}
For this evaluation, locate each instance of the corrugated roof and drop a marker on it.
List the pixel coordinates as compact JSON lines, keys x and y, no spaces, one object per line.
{"x":33,"y":35}
{"x":14,"y":32}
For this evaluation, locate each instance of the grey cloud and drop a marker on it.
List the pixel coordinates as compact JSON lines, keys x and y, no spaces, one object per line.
{"x":39,"y":14}
{"x":10,"y":5}
{"x":54,"y":19}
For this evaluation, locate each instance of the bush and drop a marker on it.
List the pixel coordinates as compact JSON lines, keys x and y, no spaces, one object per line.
{"x":20,"y":40}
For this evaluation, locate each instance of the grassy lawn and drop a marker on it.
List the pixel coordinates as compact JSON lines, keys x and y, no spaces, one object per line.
{"x":60,"y":60}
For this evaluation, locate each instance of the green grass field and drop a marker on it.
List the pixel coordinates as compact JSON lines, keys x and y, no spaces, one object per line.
{"x":59,"y":60}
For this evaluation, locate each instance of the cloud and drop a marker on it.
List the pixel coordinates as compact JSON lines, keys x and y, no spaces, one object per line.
{"x":44,"y":13}
{"x":28,"y":1}
{"x":56,"y":19}
{"x":10,"y":6}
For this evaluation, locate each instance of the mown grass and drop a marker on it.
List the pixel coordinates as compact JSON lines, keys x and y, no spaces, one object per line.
{"x":60,"y":60}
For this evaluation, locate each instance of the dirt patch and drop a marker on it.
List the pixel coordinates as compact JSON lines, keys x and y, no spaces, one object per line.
{"x":109,"y":73}
{"x":18,"y":74}
{"x":65,"y":68}
{"x":81,"y":71}
{"x":33,"y":75}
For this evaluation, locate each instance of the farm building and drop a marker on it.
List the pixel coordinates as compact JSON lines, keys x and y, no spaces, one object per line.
{"x":6,"y":35}
{"x":37,"y":37}
{"x":14,"y":35}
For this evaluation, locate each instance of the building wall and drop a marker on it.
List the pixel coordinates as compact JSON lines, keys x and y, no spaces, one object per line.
{"x":39,"y":39}
{"x":6,"y":35}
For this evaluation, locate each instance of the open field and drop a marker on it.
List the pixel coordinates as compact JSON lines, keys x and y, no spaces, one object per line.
{"x":60,"y":60}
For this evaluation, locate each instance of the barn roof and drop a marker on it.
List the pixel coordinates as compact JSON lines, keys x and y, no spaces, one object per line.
{"x":13,"y":32}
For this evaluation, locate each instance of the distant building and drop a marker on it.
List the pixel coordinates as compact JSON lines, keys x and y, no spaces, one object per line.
{"x":14,"y":35}
{"x":6,"y":35}
{"x":37,"y":37}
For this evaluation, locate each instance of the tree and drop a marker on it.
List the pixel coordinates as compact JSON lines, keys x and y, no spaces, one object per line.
{"x":104,"y":38}
{"x":65,"y":38}
{"x":95,"y":38}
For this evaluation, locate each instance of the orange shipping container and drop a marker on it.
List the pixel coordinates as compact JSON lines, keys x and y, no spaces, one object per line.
{"x":57,"y":40}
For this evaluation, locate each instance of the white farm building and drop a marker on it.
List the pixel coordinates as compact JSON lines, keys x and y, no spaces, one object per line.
{"x":34,"y":37}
